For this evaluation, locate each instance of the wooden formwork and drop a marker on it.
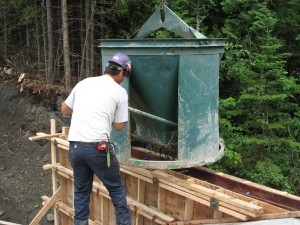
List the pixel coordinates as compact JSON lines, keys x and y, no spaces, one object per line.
{"x":8,"y":223}
{"x":154,"y":196}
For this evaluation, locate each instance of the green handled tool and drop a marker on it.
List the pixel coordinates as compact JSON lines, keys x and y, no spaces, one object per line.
{"x":108,"y":159}
{"x":107,"y":156}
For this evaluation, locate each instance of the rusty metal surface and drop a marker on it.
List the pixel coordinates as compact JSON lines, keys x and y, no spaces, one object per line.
{"x":278,"y":198}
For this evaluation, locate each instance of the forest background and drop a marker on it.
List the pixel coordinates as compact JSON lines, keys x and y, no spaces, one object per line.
{"x":259,"y":75}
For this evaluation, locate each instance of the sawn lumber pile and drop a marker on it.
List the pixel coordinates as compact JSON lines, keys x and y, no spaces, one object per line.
{"x":155,"y":196}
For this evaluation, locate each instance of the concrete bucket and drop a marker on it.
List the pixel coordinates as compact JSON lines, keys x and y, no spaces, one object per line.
{"x":173,"y":96}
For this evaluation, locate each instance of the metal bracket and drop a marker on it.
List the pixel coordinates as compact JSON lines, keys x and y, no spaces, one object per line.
{"x":214,"y":203}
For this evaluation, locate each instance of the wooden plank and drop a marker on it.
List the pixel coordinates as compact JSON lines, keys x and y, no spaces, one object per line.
{"x":67,"y":210}
{"x":96,"y":187}
{"x":63,"y":183}
{"x":138,"y":171}
{"x":218,"y":214}
{"x":266,"y":206}
{"x":95,"y":207}
{"x":173,"y":181}
{"x":188,"y":209}
{"x":125,"y":169}
{"x":149,"y":211}
{"x":207,"y":221}
{"x":104,"y":210}
{"x":63,"y":147}
{"x":271,"y":208}
{"x":8,"y":223}
{"x":141,"y":191}
{"x":184,"y":192}
{"x":153,"y":219}
{"x":231,"y":207}
{"x":61,"y":141}
{"x":238,"y":209}
{"x":53,"y":161}
{"x":65,"y":130}
{"x":47,"y":166}
{"x":161,"y":199}
{"x":143,"y":209}
{"x":261,"y":192}
{"x":41,"y":136}
{"x":141,"y":199}
{"x":291,"y":214}
{"x":192,"y":196}
{"x":45,"y":208}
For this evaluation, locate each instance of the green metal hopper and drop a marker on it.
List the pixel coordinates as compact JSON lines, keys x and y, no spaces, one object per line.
{"x":173,"y":95}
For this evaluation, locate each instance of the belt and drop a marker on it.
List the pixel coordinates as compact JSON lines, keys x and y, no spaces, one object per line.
{"x":88,"y":144}
{"x":101,"y":145}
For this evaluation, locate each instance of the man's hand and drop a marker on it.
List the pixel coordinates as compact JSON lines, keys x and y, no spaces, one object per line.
{"x":65,"y":109}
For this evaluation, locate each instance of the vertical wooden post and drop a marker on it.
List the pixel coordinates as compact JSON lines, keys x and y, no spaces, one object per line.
{"x":141,"y":199}
{"x":188,"y":209}
{"x":161,"y":202}
{"x":53,"y":161}
{"x":218,"y":214}
{"x":64,"y":181}
{"x":104,"y":210}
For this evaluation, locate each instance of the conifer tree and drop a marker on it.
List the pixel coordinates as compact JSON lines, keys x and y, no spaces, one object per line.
{"x":260,"y":107}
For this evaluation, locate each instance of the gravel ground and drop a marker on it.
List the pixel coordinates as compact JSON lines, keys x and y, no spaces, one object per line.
{"x":23,"y":180}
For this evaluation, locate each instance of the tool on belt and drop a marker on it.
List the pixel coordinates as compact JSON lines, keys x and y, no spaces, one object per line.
{"x":104,"y":146}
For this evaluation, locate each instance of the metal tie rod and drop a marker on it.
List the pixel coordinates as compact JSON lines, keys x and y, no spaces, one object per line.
{"x":133,"y":110}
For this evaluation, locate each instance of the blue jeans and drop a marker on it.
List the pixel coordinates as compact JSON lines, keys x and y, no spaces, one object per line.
{"x":86,"y":161}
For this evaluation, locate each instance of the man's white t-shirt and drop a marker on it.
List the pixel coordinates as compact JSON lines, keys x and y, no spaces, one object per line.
{"x":97,"y":102}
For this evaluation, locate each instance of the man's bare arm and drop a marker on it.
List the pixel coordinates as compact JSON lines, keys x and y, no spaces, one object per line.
{"x":65,"y":109}
{"x":119,"y":126}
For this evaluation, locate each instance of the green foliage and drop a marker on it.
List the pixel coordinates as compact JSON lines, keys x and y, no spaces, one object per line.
{"x":230,"y":161}
{"x":266,"y":172}
{"x":193,"y":12}
{"x":287,"y":26}
{"x":259,"y":117}
{"x":293,"y":126}
{"x":234,"y":70}
{"x":127,"y":16}
{"x":28,"y":15}
{"x":26,"y":10}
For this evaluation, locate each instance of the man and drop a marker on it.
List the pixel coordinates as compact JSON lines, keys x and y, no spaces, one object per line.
{"x":97,"y":104}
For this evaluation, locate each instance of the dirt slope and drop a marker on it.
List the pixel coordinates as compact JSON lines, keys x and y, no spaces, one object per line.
{"x":22,"y":178}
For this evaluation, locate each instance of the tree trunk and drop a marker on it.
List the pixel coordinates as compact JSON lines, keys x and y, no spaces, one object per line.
{"x":88,"y":37}
{"x":66,"y":47}
{"x":83,"y":43}
{"x":27,"y":36}
{"x":198,"y":16}
{"x":86,"y":40}
{"x":45,"y":39}
{"x":102,"y":31}
{"x":92,"y":52}
{"x":5,"y":36}
{"x":50,"y":41}
{"x":82,"y":32}
{"x":38,"y":47}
